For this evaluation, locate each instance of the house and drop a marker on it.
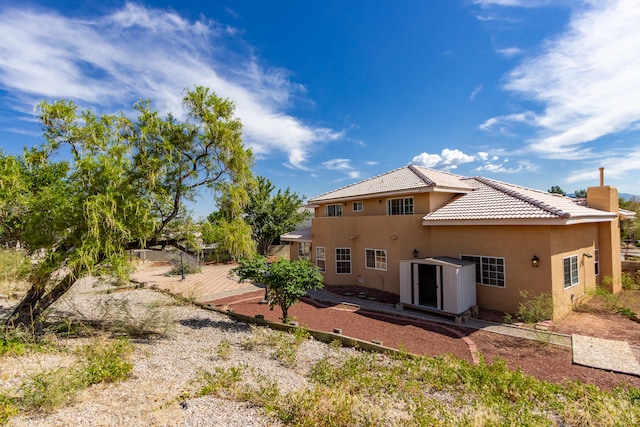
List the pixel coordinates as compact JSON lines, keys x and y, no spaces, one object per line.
{"x":447,"y":242}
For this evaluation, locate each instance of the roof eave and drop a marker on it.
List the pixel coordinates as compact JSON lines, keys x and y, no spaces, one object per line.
{"x":387,"y":194}
{"x":515,"y":221}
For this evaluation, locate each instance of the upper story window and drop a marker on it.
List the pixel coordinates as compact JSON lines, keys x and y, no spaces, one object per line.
{"x":489,"y":270}
{"x":570,"y":269}
{"x":334,"y":210}
{"x":402,"y":206}
{"x":357,"y":207}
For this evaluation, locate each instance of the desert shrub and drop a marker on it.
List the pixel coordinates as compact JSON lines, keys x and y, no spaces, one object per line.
{"x":224,"y":350}
{"x":186,"y":264}
{"x":7,"y":409}
{"x":100,"y":361}
{"x":629,"y":282}
{"x":534,"y":309}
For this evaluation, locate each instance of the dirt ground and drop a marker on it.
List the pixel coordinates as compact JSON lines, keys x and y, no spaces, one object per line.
{"x":540,"y":359}
{"x":598,"y":318}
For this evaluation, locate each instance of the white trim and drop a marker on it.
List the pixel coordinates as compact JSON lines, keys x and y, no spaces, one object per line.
{"x":375,"y":259}
{"x":504,"y":270}
{"x":324,"y":258}
{"x":577,"y":271}
{"x":349,"y":261}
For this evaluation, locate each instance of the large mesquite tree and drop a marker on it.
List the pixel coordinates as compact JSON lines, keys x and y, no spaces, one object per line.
{"x":103,"y":184}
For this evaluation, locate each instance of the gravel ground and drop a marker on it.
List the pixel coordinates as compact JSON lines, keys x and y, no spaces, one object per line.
{"x":166,"y":367}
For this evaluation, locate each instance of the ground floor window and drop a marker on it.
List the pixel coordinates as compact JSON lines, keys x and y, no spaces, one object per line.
{"x":321,"y":258}
{"x":489,"y":270}
{"x":343,"y":260}
{"x":570,"y":268}
{"x":304,"y":250}
{"x":376,"y":259}
{"x":596,"y":261}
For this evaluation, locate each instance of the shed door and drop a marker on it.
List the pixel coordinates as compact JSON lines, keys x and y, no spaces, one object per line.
{"x":427,"y":285}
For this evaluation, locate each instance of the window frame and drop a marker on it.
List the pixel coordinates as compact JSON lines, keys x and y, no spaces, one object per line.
{"x":377,"y":263}
{"x":406,"y":206}
{"x":570,"y":271}
{"x":490,"y":270}
{"x":337,"y":210}
{"x":596,"y":261}
{"x":341,"y":261}
{"x":323,"y":267}
{"x":357,"y":206}
{"x":301,"y":254}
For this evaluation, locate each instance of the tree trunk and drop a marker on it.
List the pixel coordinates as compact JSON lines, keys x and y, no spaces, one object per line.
{"x":36,"y":301}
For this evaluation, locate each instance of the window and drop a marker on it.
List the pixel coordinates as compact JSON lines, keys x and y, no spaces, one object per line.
{"x":489,"y":270}
{"x":304,"y":250}
{"x":321,"y":258}
{"x":334,"y":210}
{"x":357,"y":207}
{"x":376,"y":259}
{"x":570,"y":267}
{"x":343,"y":260}
{"x":402,"y":206}
{"x":596,"y":261}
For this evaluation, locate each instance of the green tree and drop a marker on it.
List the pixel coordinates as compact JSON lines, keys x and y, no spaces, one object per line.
{"x":124,"y":186}
{"x":269,"y":215}
{"x":557,"y":190}
{"x":287,"y":281}
{"x":580,"y":193}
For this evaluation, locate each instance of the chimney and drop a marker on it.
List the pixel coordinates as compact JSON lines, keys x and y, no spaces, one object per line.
{"x":601,"y":177}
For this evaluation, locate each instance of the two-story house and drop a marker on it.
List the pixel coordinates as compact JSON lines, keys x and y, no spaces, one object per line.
{"x":448,"y":242}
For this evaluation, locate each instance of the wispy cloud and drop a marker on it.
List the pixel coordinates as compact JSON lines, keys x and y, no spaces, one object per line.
{"x":622,"y":167}
{"x":510,"y":51}
{"x":344,"y":166}
{"x":585,"y":80}
{"x":475,"y":92}
{"x":108,"y":62}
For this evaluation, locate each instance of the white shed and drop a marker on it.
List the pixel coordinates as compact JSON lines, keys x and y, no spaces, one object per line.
{"x":442,"y":283}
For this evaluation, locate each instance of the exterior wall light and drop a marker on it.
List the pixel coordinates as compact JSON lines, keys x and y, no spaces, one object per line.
{"x":535,"y":261}
{"x":415,"y":253}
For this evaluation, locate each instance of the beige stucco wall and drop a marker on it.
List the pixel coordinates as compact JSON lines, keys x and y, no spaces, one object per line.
{"x":399,"y":235}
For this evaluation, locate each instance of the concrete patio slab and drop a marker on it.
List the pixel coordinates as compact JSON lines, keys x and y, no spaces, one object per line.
{"x":212,"y":283}
{"x":610,"y":355}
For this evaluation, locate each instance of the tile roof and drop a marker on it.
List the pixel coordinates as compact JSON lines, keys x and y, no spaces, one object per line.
{"x":494,"y":200}
{"x":405,"y":179}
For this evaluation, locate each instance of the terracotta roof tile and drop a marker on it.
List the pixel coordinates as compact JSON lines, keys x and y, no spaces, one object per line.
{"x":402,"y":179}
{"x":497,"y":200}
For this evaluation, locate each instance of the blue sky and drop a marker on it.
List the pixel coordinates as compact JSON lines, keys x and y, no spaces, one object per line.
{"x":531,"y":92}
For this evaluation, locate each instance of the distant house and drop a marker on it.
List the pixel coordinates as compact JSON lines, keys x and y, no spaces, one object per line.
{"x":448,"y":242}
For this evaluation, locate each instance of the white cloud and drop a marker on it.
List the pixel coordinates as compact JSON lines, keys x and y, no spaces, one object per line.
{"x":337,"y":164}
{"x":510,"y":51}
{"x":475,"y":92}
{"x":622,"y":167}
{"x":106,"y":63}
{"x":447,"y":159}
{"x":586,"y":80}
{"x":344,"y":166}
